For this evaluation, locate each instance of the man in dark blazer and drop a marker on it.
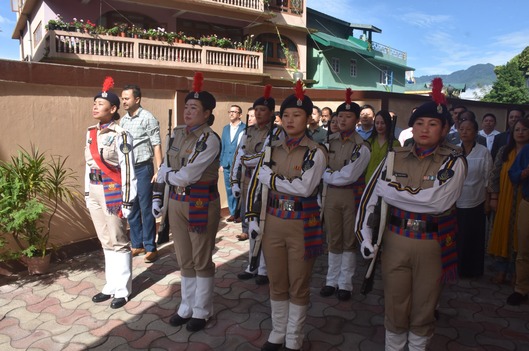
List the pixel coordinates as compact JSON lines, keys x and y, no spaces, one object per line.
{"x":231,"y":135}
{"x":513,"y":114}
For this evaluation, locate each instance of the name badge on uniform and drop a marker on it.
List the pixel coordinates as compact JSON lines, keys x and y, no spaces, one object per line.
{"x":201,"y":146}
{"x":445,"y":174}
{"x":400,"y":175}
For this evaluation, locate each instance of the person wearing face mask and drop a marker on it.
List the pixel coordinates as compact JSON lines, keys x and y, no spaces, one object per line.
{"x":419,"y":252}
{"x":110,"y":190}
{"x":194,"y":204}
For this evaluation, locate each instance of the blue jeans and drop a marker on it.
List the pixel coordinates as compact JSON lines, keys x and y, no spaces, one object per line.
{"x":141,"y":221}
{"x":232,"y":201}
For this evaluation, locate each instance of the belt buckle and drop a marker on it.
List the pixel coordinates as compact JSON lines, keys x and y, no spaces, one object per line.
{"x":416,"y":225}
{"x":180,"y":190}
{"x":286,"y":205}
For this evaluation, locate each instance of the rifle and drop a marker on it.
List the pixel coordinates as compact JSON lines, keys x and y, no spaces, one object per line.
{"x":324,"y":186}
{"x":163,"y":230}
{"x":242,"y":168}
{"x":380,"y":216}
{"x":256,"y":252}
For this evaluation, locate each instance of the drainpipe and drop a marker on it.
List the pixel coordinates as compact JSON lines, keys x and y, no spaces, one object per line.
{"x":28,"y":26}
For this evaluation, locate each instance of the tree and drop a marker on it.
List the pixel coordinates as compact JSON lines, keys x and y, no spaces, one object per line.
{"x":510,"y":86}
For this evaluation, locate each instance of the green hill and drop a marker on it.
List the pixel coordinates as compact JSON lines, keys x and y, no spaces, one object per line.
{"x":474,"y":76}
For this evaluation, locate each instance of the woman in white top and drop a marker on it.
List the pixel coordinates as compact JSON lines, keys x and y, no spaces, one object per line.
{"x":473,"y":202}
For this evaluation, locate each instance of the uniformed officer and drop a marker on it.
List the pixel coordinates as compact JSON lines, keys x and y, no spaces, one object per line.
{"x":419,"y":249}
{"x":110,"y":189}
{"x":292,"y":237}
{"x":246,"y":157}
{"x":348,"y":158}
{"x":194,"y":205}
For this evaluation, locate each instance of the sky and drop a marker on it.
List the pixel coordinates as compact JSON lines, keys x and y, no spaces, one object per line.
{"x":438,"y":37}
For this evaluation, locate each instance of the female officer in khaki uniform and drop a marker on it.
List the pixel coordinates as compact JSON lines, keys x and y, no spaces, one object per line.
{"x":348,"y":159}
{"x":191,"y":171}
{"x":292,"y":237}
{"x":419,"y":249}
{"x":110,"y":189}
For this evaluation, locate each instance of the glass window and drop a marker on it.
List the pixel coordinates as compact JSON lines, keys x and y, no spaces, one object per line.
{"x":335,"y":65}
{"x":352,"y":69}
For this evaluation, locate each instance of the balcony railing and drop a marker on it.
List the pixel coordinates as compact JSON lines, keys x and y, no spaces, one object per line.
{"x":121,"y":50}
{"x":251,"y":4}
{"x":294,"y":7}
{"x":401,"y":55}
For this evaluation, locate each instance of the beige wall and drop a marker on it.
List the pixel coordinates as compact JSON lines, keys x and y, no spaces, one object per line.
{"x":49,"y":105}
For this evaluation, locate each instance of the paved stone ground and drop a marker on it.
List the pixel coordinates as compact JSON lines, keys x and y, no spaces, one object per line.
{"x":55,"y":311}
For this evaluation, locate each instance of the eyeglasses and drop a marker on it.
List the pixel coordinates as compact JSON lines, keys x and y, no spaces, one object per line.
{"x":233,"y":111}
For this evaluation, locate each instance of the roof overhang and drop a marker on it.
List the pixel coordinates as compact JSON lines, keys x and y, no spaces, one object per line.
{"x":339,"y":43}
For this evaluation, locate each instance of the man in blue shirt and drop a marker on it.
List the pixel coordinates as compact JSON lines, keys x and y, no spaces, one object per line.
{"x":231,"y":135}
{"x":145,"y":131}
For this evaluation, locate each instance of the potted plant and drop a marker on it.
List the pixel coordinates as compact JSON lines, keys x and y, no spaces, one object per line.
{"x":32,"y":186}
{"x":89,"y":27}
{"x":114,"y":31}
{"x":180,"y":37}
{"x":56,"y":23}
{"x":224,"y":43}
{"x":123,"y":29}
{"x":77,"y":25}
{"x":191,"y":40}
{"x":135,"y":32}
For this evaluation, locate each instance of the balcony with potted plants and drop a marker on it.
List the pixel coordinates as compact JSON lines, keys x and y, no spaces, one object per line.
{"x":122,"y":44}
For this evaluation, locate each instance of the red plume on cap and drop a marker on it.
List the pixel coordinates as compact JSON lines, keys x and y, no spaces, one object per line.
{"x":197,"y":82}
{"x":108,"y":84}
{"x":348,"y":94}
{"x":300,"y":93}
{"x":267,"y":91}
{"x":437,"y":95}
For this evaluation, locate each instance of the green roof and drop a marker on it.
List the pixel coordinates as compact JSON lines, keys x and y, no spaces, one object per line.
{"x":339,"y":43}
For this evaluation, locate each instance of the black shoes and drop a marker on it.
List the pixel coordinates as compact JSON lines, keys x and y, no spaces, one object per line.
{"x":261,"y":280}
{"x":327,"y":291}
{"x":246,"y":276}
{"x":118,"y":302}
{"x":343,"y":295}
{"x":269,"y":346}
{"x":177,"y":321}
{"x":516,"y":299}
{"x":195,"y":324}
{"x":101,"y":297}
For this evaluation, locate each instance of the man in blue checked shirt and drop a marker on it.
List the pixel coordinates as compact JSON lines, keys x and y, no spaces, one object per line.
{"x":145,"y":130}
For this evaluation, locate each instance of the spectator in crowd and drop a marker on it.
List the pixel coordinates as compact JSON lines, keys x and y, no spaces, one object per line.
{"x":519,"y":174}
{"x":251,"y":116}
{"x":379,"y":141}
{"x":326,"y":114}
{"x":513,"y":115}
{"x":277,"y":120}
{"x":333,"y":125}
{"x":145,"y":130}
{"x":453,"y":137}
{"x":471,"y":205}
{"x":504,"y":200}
{"x":315,"y":131}
{"x":231,"y":135}
{"x":407,"y":135}
{"x":367,"y":117}
{"x":488,"y":131}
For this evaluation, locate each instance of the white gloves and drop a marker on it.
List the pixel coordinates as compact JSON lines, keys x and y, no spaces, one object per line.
{"x":253,"y":228}
{"x":265,"y":173}
{"x":162,"y":173}
{"x":126,"y":211}
{"x":156,"y":207}
{"x":236,"y":190}
{"x":367,"y":249}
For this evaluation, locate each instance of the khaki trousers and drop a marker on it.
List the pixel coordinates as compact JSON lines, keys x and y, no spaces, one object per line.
{"x":194,"y":250}
{"x":340,"y":214}
{"x":411,"y":273}
{"x":284,"y":250}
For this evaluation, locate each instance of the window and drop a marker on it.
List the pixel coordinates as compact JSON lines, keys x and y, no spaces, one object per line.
{"x":139,"y":20}
{"x":274,"y":53}
{"x":335,"y":65}
{"x":352,"y":69}
{"x":37,"y":35}
{"x":386,"y":76}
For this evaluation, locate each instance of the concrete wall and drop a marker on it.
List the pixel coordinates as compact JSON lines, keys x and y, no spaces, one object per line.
{"x":49,"y":105}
